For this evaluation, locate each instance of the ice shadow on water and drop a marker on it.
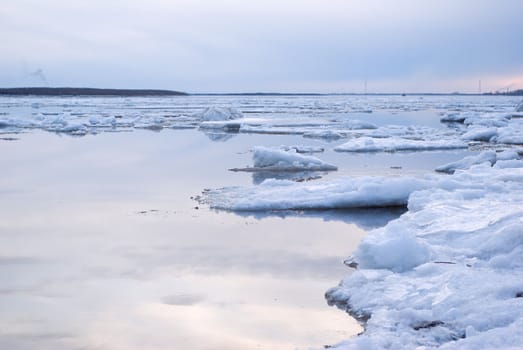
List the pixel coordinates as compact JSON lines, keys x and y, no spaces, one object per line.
{"x":219,"y":136}
{"x":299,"y":176}
{"x":365,"y":218}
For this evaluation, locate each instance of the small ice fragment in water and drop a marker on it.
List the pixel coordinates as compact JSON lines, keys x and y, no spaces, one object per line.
{"x":467,"y":162}
{"x":274,"y":159}
{"x":219,"y":113}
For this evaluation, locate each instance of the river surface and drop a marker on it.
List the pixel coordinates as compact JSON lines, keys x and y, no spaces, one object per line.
{"x":102,"y":245}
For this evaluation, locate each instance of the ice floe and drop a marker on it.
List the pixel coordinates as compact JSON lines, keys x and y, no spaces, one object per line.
{"x":395,"y":144}
{"x":467,"y":162}
{"x":329,"y":135}
{"x":303,"y":148}
{"x":498,"y":128}
{"x":355,"y":124}
{"x":480,"y":134}
{"x":491,"y":157}
{"x":453,"y":117}
{"x":326,"y":118}
{"x":510,"y":135}
{"x":277,"y":159}
{"x":219,"y":113}
{"x":448,"y":274}
{"x":364,"y":192}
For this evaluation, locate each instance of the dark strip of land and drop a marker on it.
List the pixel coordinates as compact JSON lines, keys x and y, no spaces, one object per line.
{"x":507,"y":93}
{"x":67,"y":91}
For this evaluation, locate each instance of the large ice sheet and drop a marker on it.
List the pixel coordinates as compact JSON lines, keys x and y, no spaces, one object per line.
{"x":364,"y":192}
{"x":447,"y":274}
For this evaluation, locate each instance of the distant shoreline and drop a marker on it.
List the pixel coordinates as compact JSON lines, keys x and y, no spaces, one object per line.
{"x":69,"y":91}
{"x":514,"y":93}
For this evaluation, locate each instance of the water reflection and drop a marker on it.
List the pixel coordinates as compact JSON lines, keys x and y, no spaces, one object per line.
{"x":101,"y":248}
{"x":219,"y":136}
{"x":224,"y":260}
{"x":366,"y":218}
{"x":259,"y":176}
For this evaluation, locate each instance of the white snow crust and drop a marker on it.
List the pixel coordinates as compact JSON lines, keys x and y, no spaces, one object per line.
{"x":286,"y":159}
{"x":448,"y":274}
{"x":395,"y":144}
{"x":480,"y":134}
{"x":364,"y":192}
{"x":219,"y":114}
{"x":453,"y":117}
{"x":467,"y":162}
{"x":329,"y":135}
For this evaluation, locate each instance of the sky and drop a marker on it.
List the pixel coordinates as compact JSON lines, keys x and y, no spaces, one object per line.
{"x":272,"y":45}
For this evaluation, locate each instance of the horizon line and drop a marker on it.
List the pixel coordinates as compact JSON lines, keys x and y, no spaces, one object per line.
{"x":67,"y":90}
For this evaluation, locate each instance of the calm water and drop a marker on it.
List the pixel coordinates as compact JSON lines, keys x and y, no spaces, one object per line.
{"x":102,"y":247}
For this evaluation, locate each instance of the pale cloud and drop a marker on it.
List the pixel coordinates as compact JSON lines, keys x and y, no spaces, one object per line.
{"x":233,"y":45}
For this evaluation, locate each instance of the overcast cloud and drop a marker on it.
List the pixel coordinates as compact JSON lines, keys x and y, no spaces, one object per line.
{"x":225,"y":46}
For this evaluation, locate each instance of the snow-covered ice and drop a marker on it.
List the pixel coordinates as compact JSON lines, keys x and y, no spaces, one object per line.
{"x":303,"y":148}
{"x":219,"y":113}
{"x":488,"y":157}
{"x":329,"y":135}
{"x":326,"y":118}
{"x":364,"y":192}
{"x":467,"y":162}
{"x":510,"y":135}
{"x":287,"y":159}
{"x":453,"y":117}
{"x":480,"y":134}
{"x":395,"y":144}
{"x":499,"y":128}
{"x":448,"y":274}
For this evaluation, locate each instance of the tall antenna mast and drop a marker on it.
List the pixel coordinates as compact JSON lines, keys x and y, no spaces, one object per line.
{"x":479,"y":87}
